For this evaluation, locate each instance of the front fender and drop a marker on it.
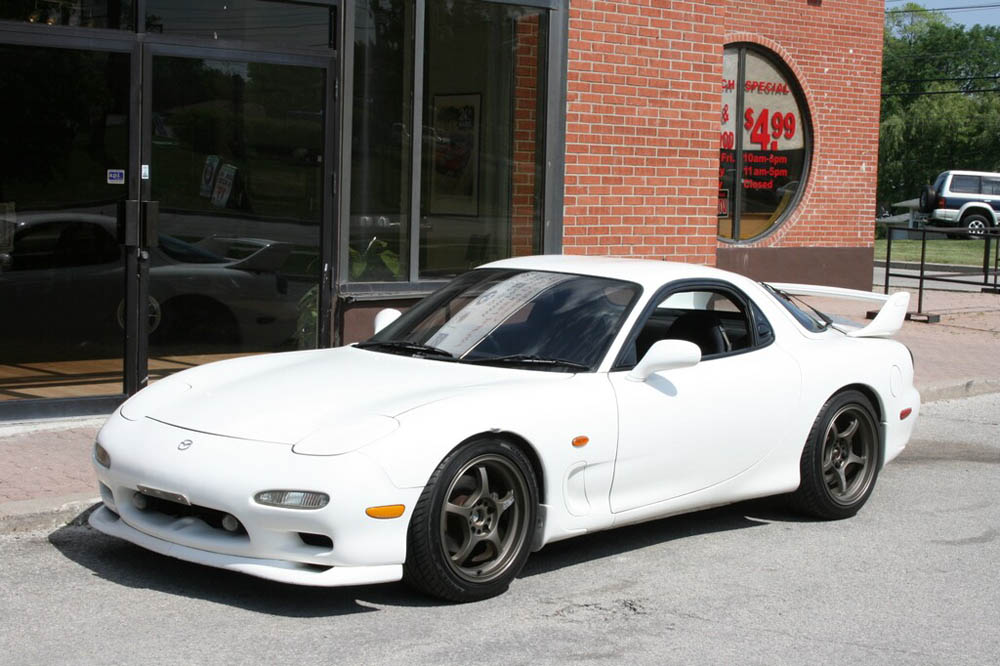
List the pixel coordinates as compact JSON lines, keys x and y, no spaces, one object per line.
{"x":547,"y":415}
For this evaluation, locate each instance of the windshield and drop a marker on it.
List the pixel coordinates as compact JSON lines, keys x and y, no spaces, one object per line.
{"x":539,"y":319}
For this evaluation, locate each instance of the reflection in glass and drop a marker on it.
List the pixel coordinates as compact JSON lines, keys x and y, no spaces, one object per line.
{"x":63,"y":138}
{"x":237,"y":168}
{"x":114,"y":14}
{"x":381,"y":141}
{"x":290,"y":24}
{"x":483,"y":83}
{"x":727,"y":142}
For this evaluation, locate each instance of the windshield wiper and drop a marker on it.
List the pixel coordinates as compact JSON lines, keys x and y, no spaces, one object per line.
{"x":395,"y":346}
{"x":529,"y":359}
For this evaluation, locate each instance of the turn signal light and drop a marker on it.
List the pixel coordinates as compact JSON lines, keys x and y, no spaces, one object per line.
{"x":384,"y":512}
{"x":101,"y":455}
{"x":292,"y":499}
{"x":906,"y":412}
{"x":582,"y":440}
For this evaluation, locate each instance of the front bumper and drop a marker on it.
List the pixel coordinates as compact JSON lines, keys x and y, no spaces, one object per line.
{"x":278,"y":570}
{"x":336,"y":545}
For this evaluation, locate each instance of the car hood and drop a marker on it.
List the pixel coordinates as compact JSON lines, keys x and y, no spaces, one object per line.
{"x":283,"y":398}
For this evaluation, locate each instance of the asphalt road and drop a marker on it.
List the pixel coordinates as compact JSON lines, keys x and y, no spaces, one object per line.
{"x":911,"y":580}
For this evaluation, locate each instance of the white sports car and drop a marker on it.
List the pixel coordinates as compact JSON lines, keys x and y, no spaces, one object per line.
{"x":527,"y":401}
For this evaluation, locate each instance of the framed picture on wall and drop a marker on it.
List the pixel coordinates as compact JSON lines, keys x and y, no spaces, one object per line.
{"x":455,"y":169}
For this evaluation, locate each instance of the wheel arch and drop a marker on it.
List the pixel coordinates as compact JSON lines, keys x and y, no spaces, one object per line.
{"x":978,"y":209}
{"x":519,"y":442}
{"x":876,"y":402}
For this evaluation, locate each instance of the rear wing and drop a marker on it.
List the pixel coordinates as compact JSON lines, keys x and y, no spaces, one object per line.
{"x":888,"y":320}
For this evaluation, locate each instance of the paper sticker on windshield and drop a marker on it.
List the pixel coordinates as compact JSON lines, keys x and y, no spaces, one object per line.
{"x":116,"y":176}
{"x":490,"y":309}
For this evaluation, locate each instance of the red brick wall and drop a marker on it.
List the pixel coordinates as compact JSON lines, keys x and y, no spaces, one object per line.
{"x":524,"y":194}
{"x":643,"y":105}
{"x":642,"y":130}
{"x":835,"y":51}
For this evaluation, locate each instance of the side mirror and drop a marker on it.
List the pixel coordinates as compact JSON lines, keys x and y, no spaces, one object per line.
{"x":665,"y":355}
{"x":385,"y":317}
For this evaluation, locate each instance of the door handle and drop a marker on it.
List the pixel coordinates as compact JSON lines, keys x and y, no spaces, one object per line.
{"x":150,"y":223}
{"x":127,"y":224}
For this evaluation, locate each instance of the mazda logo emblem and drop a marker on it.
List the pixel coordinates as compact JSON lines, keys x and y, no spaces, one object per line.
{"x":185,"y":445}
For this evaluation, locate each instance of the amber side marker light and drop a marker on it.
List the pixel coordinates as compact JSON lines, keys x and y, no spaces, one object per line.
{"x":906,"y":412}
{"x":582,"y":440}
{"x":385,"y":512}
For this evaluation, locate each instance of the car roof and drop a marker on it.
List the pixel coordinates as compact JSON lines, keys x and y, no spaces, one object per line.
{"x":650,"y":273}
{"x":957,"y":172}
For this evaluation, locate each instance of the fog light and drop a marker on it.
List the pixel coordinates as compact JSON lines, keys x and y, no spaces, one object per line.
{"x":140,"y":501}
{"x":101,"y":455}
{"x":292,"y":499}
{"x":229,"y":523}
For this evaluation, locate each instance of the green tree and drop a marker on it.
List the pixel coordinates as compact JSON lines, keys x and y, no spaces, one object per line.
{"x":939,"y":107}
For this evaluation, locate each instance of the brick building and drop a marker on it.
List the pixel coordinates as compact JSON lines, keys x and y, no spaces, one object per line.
{"x":184,"y":181}
{"x":643,"y":145}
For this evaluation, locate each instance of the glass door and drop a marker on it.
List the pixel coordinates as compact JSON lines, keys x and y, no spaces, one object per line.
{"x":233,"y":153}
{"x":65,"y":145}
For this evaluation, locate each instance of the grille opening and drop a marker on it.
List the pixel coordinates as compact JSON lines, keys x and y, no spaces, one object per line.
{"x":320,"y":540}
{"x":213,"y":517}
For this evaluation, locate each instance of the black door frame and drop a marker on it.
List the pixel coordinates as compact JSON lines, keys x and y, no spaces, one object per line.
{"x":142,"y":47}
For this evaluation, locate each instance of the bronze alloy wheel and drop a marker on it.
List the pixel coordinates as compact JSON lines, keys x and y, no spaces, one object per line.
{"x":849,"y":454}
{"x":483,"y":518}
{"x":841,"y":458}
{"x":472,"y":528}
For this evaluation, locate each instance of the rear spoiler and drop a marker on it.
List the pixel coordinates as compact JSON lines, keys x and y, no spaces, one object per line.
{"x":888,"y":320}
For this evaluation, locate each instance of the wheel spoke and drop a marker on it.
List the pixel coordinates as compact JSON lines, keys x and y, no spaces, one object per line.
{"x":849,"y":432}
{"x":854,"y":459}
{"x":462,"y":512}
{"x":841,"y":480}
{"x":505,"y":502}
{"x":483,"y":490}
{"x":463,"y":553}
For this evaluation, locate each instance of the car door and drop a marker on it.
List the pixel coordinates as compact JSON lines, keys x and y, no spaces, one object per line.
{"x":688,"y":429}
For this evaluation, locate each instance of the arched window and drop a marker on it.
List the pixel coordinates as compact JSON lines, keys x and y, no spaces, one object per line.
{"x":765,"y":143}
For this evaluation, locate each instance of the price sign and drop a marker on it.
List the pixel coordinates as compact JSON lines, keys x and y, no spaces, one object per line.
{"x":768,"y":127}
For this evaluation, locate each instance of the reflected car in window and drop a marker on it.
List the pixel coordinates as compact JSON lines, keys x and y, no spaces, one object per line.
{"x":527,"y":401}
{"x":200,"y":299}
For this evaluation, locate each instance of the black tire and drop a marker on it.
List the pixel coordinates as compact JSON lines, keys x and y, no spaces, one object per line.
{"x":471,"y":531}
{"x":928,"y":199}
{"x":841,"y":459}
{"x":975,"y":225}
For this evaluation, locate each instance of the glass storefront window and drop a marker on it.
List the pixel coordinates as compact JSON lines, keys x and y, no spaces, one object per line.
{"x":764,"y":144}
{"x":237,"y":166}
{"x":481,"y":179}
{"x":113,"y":14}
{"x":299,"y":24}
{"x":481,"y":146}
{"x":64,"y":137}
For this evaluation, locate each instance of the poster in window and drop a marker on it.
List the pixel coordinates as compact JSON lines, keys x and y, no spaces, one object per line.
{"x":454,"y":136}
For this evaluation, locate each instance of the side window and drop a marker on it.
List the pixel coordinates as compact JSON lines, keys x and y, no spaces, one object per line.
{"x":991,"y":186}
{"x":63,"y":245}
{"x":765,"y":334}
{"x":712,"y":319}
{"x":965,"y":184}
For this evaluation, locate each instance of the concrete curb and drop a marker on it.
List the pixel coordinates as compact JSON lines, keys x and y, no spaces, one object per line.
{"x":45,"y":513}
{"x":50,"y":513}
{"x":964,"y":390}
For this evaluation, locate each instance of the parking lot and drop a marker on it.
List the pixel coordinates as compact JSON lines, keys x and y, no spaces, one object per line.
{"x":910,"y":580}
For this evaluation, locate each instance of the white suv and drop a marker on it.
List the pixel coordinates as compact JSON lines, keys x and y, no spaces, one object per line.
{"x":969,"y":199}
